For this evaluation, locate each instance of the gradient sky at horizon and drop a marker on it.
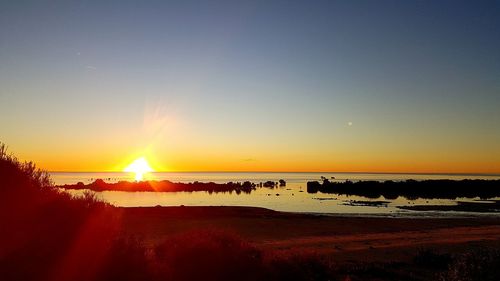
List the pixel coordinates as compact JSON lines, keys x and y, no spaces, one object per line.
{"x":400,"y":86}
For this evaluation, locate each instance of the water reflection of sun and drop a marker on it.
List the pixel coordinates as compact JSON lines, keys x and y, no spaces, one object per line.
{"x":139,"y":167}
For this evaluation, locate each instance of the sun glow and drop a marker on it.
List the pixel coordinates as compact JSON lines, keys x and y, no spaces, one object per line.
{"x":140,"y":167}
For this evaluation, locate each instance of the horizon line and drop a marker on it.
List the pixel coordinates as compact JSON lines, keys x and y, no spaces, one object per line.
{"x":305,"y":172}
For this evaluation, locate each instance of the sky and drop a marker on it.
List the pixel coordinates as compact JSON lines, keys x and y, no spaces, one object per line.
{"x":346,"y":86}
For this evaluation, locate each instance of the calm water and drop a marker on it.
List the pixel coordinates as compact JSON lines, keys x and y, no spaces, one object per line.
{"x":292,"y":198}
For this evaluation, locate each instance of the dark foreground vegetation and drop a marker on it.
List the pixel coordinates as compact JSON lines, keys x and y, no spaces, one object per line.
{"x":47,"y":234}
{"x":410,"y":189}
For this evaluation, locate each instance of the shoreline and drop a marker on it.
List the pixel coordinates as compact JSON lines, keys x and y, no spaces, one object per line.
{"x":410,"y":214}
{"x":346,"y":238}
{"x":251,"y":210}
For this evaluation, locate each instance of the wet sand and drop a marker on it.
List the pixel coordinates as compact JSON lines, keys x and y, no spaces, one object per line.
{"x":345,"y":238}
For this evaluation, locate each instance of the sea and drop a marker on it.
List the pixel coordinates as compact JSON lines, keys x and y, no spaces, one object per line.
{"x":290,"y":198}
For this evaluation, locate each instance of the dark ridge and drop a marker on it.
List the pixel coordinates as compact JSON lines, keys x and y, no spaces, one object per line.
{"x":410,"y":189}
{"x":164,"y":186}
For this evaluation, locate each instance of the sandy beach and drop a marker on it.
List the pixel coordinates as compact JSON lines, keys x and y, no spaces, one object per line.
{"x":345,"y":238}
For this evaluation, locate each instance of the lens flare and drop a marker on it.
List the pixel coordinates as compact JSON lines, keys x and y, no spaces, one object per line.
{"x":139,"y":167}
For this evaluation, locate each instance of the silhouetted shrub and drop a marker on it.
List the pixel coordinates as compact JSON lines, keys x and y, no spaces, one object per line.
{"x":297,"y":266}
{"x":43,"y":228}
{"x":481,"y":264}
{"x":126,"y":260}
{"x":432,"y":259}
{"x":208,"y":255}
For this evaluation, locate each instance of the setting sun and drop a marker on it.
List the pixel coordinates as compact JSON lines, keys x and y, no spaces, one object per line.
{"x":140,"y":166}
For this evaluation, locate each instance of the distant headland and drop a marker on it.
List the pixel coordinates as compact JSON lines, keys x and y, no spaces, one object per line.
{"x":168,"y":186}
{"x":410,"y":189}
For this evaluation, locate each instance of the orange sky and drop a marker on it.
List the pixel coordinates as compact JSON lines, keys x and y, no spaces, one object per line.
{"x":388,"y":159}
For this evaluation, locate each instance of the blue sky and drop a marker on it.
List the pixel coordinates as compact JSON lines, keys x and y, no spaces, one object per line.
{"x":293,"y":85}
